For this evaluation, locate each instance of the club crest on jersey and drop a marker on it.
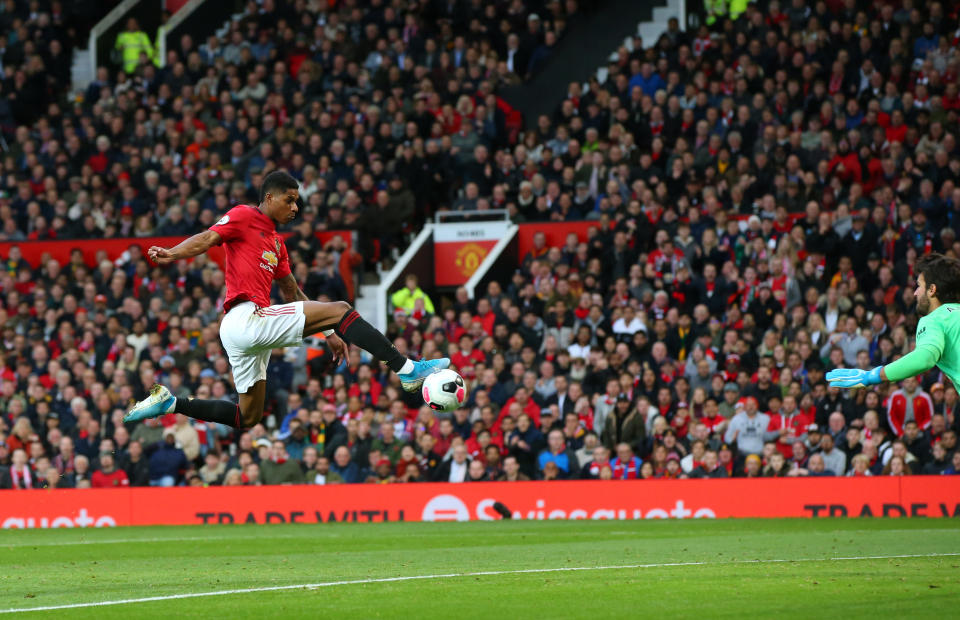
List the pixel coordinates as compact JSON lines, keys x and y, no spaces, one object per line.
{"x":276,"y":241}
{"x":270,"y":261}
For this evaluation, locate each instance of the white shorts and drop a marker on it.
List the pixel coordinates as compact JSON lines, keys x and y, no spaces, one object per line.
{"x":250,"y":333}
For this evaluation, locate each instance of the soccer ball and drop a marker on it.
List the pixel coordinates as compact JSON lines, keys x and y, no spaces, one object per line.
{"x":444,"y":390}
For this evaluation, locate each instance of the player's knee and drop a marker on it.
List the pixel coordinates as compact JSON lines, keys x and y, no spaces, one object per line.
{"x":341,"y":308}
{"x":251,"y":416}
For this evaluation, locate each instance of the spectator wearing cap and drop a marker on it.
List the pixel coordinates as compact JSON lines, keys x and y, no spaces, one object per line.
{"x":671,"y":471}
{"x":624,"y":425}
{"x":297,"y":439}
{"x":731,"y":394}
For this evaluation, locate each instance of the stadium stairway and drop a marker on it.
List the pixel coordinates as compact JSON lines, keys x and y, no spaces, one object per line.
{"x":81,"y":72}
{"x":587,"y":46}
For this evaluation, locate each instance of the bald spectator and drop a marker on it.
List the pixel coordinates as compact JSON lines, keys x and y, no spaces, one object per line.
{"x":344,"y":467}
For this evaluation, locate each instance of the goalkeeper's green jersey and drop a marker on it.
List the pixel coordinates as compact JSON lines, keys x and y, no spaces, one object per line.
{"x":938,"y":344}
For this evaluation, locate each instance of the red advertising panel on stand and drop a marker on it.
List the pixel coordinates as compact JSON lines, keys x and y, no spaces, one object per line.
{"x":915,"y":496}
{"x":460,"y":248}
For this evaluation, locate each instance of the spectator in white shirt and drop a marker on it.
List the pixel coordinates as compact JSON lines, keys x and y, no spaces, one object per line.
{"x":629,"y":323}
{"x":581,"y":346}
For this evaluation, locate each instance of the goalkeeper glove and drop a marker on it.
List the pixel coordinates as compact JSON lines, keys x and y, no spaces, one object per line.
{"x":854,"y":378}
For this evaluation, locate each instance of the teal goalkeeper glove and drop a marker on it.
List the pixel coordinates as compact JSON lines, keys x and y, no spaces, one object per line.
{"x":854,"y":378}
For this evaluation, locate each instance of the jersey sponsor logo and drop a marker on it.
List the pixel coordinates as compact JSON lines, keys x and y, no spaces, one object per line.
{"x":223,"y":220}
{"x":270,"y":261}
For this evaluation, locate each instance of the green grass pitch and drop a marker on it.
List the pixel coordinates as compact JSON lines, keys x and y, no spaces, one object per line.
{"x":680,"y":569}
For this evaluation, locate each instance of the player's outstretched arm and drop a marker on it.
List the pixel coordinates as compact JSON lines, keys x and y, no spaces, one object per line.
{"x":193,"y":246}
{"x":917,"y":362}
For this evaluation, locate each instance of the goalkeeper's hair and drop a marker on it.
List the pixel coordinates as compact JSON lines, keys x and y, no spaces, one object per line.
{"x":944,"y":272}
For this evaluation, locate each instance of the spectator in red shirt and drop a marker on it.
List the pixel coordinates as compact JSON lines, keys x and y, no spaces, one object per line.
{"x":108,"y":475}
{"x":787,"y":426}
{"x":485,"y":315}
{"x":467,"y":357}
{"x":522,"y":398}
{"x":897,"y":131}
{"x":445,"y":439}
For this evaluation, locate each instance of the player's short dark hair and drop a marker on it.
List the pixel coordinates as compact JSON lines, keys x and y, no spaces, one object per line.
{"x":944,"y":272}
{"x":278,"y":181}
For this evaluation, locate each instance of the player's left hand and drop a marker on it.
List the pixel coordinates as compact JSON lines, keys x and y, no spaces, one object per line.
{"x":161,"y":256}
{"x":854,"y":377}
{"x":338,"y":347}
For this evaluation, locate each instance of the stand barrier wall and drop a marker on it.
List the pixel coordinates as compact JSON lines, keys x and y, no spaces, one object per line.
{"x":911,"y":497}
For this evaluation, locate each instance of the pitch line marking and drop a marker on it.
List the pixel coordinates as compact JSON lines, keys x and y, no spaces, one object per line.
{"x":488,"y":573}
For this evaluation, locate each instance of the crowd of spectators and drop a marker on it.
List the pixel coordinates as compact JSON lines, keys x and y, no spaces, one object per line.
{"x":347,"y":96}
{"x":761,"y":192}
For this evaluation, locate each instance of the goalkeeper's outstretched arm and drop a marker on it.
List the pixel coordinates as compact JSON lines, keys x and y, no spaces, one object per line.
{"x":917,"y":362}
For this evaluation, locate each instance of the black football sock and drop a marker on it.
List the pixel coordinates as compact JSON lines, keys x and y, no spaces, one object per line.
{"x":355,"y":330}
{"x":219,"y":411}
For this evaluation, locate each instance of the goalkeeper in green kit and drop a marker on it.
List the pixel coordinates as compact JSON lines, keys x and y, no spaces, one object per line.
{"x":938,"y":331}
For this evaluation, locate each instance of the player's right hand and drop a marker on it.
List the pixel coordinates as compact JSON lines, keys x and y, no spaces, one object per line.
{"x":854,"y":377}
{"x":160,"y":256}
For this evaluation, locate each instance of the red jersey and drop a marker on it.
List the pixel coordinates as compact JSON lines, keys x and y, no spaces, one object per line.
{"x":116,"y":478}
{"x":461,"y":360}
{"x":796,"y":426}
{"x":256,"y":255}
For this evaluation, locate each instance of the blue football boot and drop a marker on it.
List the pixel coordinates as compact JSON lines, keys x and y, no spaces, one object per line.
{"x":412,"y":381}
{"x":158,"y":403}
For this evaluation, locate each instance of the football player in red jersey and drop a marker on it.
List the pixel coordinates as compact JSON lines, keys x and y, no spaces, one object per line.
{"x":256,"y":257}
